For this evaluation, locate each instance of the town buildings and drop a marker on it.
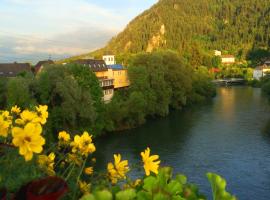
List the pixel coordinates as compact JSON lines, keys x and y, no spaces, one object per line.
{"x":13,"y":69}
{"x":262,"y":70}
{"x":225,"y":59}
{"x":112,"y":76}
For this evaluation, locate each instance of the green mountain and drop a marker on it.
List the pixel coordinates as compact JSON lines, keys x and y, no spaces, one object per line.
{"x":239,"y":27}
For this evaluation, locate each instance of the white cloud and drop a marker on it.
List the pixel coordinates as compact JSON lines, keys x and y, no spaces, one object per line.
{"x":60,"y":27}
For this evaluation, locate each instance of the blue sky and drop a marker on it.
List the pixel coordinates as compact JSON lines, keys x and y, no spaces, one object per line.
{"x":34,"y":29}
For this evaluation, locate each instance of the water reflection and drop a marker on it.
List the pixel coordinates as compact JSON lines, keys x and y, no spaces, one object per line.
{"x":230,"y":136}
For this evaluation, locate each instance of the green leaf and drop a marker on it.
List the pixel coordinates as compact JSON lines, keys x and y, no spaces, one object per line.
{"x":181,"y":179}
{"x":178,"y":198}
{"x":150,"y":183}
{"x":161,"y":196}
{"x":103,"y":195}
{"x":126,"y":195}
{"x":88,"y":197}
{"x":218,"y":185}
{"x":174,"y":187}
{"x":142,"y":195}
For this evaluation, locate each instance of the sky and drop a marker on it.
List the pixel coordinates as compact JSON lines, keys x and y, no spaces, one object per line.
{"x":32,"y":30}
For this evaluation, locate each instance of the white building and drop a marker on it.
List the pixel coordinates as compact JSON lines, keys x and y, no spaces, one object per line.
{"x":217,"y":53}
{"x":261,"y":71}
{"x":107,"y":85}
{"x":109,"y":59}
{"x":227,"y":59}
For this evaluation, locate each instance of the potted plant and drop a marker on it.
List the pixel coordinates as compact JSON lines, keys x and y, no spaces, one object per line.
{"x":50,"y":188}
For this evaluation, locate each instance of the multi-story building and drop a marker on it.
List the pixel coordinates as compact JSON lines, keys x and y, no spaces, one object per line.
{"x":111,"y":75}
{"x":100,"y":69}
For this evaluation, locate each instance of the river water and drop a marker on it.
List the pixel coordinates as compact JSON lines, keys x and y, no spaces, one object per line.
{"x":229,"y":136}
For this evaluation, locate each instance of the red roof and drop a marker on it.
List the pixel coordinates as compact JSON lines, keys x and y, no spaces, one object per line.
{"x":214,"y":70}
{"x":227,"y":56}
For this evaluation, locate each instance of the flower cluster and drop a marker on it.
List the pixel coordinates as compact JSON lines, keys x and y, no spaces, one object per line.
{"x":47,"y":163}
{"x":5,"y":123}
{"x":83,"y":144}
{"x":117,"y":170}
{"x":24,"y":129}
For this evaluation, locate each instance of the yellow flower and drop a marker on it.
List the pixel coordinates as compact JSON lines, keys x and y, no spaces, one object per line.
{"x":117,"y":170}
{"x":64,"y":136}
{"x":4,"y":125}
{"x":89,"y":170}
{"x":15,"y":109}
{"x":42,"y":113}
{"x":26,"y":117}
{"x":151,"y":163}
{"x":86,"y":145}
{"x":28,"y":139}
{"x":73,"y":158}
{"x":84,"y":187}
{"x":76,"y":144}
{"x":137,"y":182}
{"x":6,"y":115}
{"x":47,"y":163}
{"x":83,"y":144}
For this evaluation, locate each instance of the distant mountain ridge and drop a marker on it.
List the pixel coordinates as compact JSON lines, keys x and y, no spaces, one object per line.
{"x":235,"y":26}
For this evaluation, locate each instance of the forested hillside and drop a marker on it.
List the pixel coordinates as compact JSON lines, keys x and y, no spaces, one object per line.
{"x":195,"y":27}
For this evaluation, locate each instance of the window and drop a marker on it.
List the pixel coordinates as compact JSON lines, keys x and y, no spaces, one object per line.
{"x":10,"y":72}
{"x":1,"y":72}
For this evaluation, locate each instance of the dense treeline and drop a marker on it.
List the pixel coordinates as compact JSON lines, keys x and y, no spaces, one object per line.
{"x":159,"y":81}
{"x":196,"y":27}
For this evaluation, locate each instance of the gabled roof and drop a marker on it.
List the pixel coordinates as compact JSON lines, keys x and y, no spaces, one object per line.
{"x":13,"y":69}
{"x":115,"y":67}
{"x":94,"y":65}
{"x":42,"y":63}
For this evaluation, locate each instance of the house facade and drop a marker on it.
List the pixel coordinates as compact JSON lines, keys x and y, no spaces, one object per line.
{"x":227,"y":59}
{"x":13,"y":69}
{"x":109,"y":59}
{"x":100,"y":69}
{"x":111,"y":76}
{"x":262,"y":70}
{"x":120,"y":76}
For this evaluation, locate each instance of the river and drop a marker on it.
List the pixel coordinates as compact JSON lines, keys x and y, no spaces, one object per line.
{"x":229,"y":136}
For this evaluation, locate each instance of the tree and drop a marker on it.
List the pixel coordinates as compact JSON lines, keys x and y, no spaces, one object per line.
{"x":18,"y":92}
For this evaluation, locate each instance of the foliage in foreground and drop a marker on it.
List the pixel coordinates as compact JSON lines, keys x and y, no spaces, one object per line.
{"x":25,"y":158}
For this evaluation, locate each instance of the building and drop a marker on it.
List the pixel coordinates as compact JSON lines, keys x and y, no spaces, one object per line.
{"x":120,"y":76}
{"x":101,"y":71}
{"x":111,"y":76}
{"x":262,"y":70}
{"x":40,"y":65}
{"x":217,"y":53}
{"x":13,"y":69}
{"x":109,"y":59}
{"x":227,"y":59}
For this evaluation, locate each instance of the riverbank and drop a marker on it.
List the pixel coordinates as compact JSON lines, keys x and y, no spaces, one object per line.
{"x":213,"y":137}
